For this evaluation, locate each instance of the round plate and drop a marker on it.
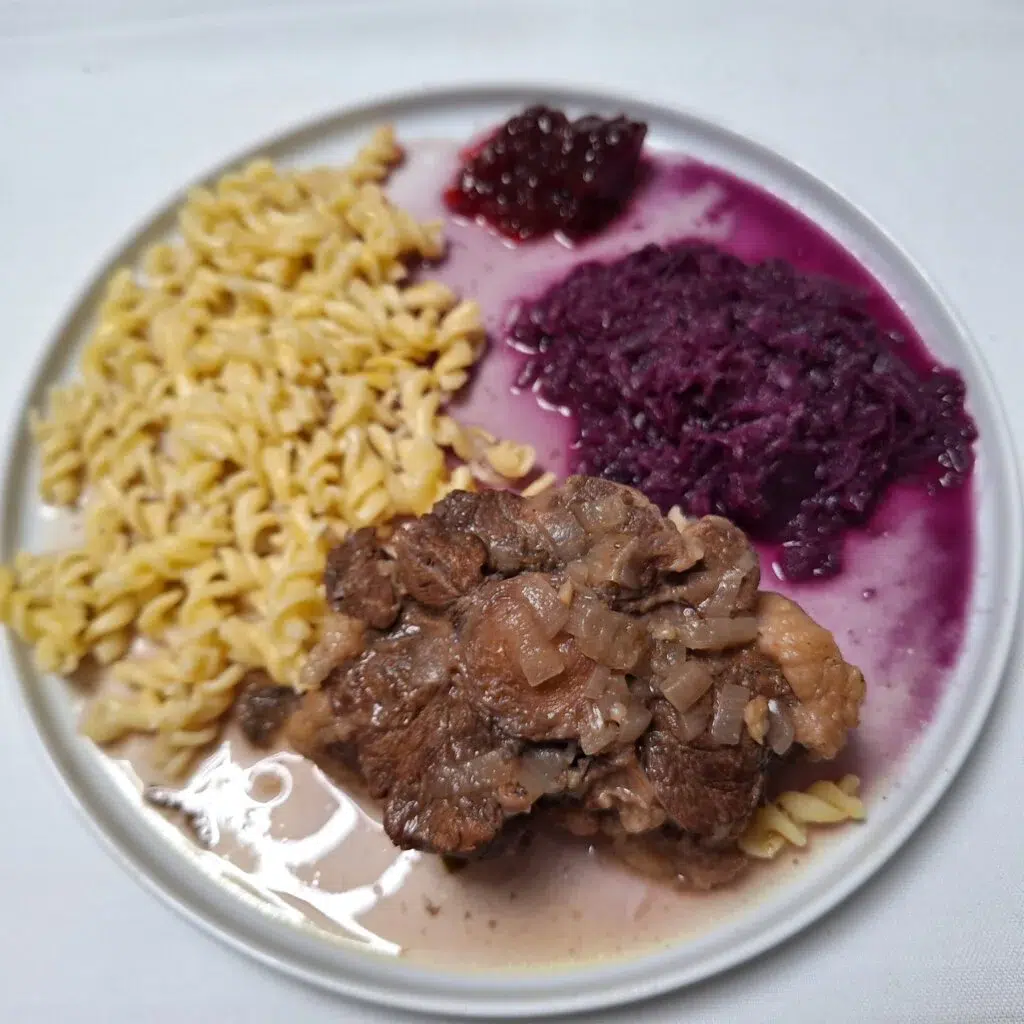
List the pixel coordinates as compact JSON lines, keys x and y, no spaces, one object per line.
{"x":169,"y":869}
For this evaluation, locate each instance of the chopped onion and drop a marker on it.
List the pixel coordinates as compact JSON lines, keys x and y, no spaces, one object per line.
{"x":615,"y":699}
{"x":629,"y":792}
{"x":723,"y":601}
{"x":567,"y":535}
{"x":577,"y":573}
{"x":488,"y":771}
{"x":342,"y":639}
{"x":780,"y":727}
{"x":634,"y":724}
{"x":727,"y":723}
{"x":700,"y":634}
{"x":615,"y":707}
{"x":692,"y":723}
{"x":664,"y":623}
{"x":606,"y":636}
{"x":550,"y":613}
{"x":538,"y":658}
{"x":718,"y":634}
{"x":598,"y":682}
{"x":667,"y":656}
{"x":586,"y":614}
{"x":686,"y":684}
{"x":596,"y":733}
{"x":542,"y":770}
{"x":526,"y":637}
{"x":602,"y":514}
{"x":624,"y":565}
{"x":614,"y":559}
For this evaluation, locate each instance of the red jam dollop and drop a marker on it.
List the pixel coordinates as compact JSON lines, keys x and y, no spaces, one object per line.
{"x":540,"y":173}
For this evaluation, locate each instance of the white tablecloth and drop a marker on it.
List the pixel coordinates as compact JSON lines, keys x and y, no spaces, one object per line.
{"x":915,"y":110}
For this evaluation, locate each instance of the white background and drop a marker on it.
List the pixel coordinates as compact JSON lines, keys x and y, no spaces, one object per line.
{"x":915,"y":110}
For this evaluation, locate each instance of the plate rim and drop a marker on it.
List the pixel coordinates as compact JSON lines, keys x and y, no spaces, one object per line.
{"x":464,"y":994}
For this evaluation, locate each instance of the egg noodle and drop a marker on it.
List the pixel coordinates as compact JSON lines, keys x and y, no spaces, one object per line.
{"x":260,"y":387}
{"x":781,"y":823}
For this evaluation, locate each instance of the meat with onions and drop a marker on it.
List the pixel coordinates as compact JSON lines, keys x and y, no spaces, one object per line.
{"x":573,"y":658}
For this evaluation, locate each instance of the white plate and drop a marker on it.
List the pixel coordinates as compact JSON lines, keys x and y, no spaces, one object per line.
{"x":826,"y":879}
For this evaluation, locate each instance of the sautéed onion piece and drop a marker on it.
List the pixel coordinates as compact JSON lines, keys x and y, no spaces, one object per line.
{"x":702,"y":634}
{"x":781,"y":730}
{"x":540,"y":770}
{"x":686,"y":685}
{"x":692,"y":723}
{"x":727,"y":722}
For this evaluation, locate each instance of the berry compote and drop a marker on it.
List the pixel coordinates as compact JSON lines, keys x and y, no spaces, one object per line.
{"x":540,"y":173}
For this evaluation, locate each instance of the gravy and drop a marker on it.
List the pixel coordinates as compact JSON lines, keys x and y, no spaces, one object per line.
{"x":278,"y":827}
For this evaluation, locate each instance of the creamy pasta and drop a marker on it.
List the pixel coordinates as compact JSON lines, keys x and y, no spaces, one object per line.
{"x":256,"y":389}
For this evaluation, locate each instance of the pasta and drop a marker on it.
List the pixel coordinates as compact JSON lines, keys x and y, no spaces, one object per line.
{"x":253,"y":392}
{"x":538,"y":486}
{"x":782,"y":822}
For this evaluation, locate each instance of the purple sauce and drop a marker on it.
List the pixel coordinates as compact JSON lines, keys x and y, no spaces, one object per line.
{"x":898,"y":609}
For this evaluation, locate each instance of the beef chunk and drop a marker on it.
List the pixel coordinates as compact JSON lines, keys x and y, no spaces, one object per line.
{"x":508,"y":526}
{"x":747,"y":666}
{"x":514,"y":669}
{"x":618,"y":784}
{"x":710,"y":792}
{"x":727,"y":552}
{"x":436,"y":564}
{"x":453,"y":777}
{"x":630,"y":544}
{"x":665,"y":855}
{"x":359,"y":580}
{"x":510,"y":662}
{"x":263,"y":707}
{"x":618,"y":534}
{"x":315,"y":732}
{"x":370,"y":702}
{"x":724,"y":572}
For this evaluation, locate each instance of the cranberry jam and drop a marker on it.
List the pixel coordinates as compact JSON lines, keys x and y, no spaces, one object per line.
{"x":540,"y":173}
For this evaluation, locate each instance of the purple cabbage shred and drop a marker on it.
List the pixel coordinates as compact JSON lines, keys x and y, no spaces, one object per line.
{"x":749,"y":391}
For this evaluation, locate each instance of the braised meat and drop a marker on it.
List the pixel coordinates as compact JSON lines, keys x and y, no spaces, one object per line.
{"x":708,"y":790}
{"x":359,"y":581}
{"x":575,"y":658}
{"x":456,"y":784}
{"x":360,"y":717}
{"x":506,"y":524}
{"x":263,"y":707}
{"x":436,"y":565}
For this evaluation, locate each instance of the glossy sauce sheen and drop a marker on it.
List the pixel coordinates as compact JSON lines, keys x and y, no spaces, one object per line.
{"x":316,"y":855}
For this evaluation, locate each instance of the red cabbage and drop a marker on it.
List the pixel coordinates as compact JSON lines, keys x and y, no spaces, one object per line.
{"x":751,"y":391}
